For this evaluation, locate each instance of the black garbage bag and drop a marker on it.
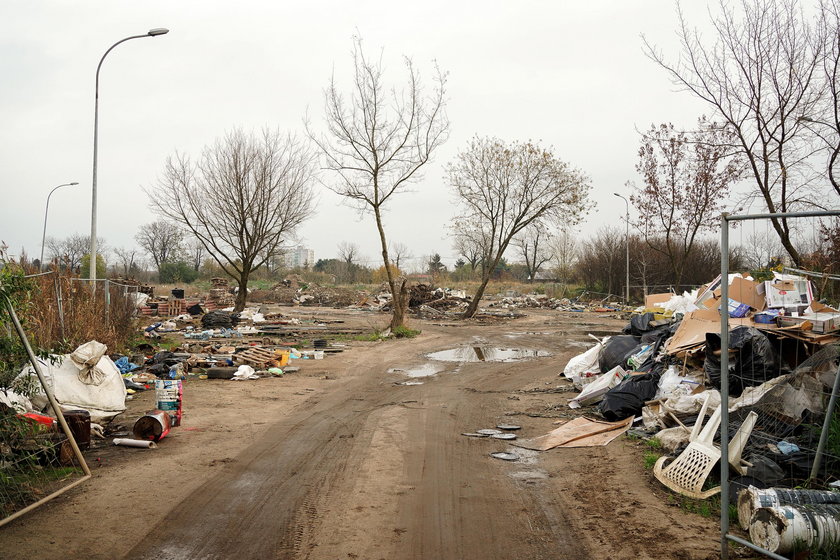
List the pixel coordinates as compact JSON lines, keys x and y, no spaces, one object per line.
{"x":639,"y":324}
{"x":160,"y":370}
{"x":165,"y":357}
{"x":754,"y":362}
{"x":628,"y":398}
{"x":616,"y":351}
{"x":219,"y":319}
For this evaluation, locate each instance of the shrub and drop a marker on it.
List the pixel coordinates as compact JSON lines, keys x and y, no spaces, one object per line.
{"x":174,"y":272}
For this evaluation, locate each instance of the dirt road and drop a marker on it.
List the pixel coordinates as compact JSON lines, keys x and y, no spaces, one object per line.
{"x":360,"y":466}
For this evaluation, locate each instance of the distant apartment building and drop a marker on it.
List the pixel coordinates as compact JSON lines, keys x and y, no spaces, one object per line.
{"x":300,"y":257}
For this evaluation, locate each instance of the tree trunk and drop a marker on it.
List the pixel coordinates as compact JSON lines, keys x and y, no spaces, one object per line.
{"x":242,"y":295}
{"x":399,"y":305}
{"x":473,"y":306}
{"x":399,"y":288}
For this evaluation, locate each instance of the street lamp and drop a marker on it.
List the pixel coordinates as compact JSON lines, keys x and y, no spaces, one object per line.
{"x":46,"y":211}
{"x":151,"y":33}
{"x":627,"y":244}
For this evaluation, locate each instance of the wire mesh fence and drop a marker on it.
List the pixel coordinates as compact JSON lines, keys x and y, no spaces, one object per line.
{"x":788,"y":387}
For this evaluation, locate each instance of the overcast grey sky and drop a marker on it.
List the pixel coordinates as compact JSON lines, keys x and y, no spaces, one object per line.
{"x":569,"y":74}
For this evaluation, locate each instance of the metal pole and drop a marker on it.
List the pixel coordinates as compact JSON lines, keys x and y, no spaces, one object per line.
{"x":829,"y":414}
{"x":46,"y":212}
{"x":92,"y":270}
{"x":627,"y":249}
{"x":724,"y":386}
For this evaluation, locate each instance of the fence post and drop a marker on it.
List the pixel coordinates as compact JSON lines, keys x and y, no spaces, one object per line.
{"x":829,"y":414}
{"x":59,"y":304}
{"x":107,"y":284}
{"x":724,"y":386}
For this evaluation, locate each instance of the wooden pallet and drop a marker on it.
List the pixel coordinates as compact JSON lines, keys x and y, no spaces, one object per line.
{"x":257,"y":356}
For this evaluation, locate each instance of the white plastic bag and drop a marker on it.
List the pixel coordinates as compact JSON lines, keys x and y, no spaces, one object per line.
{"x":595,"y":391}
{"x":584,"y":365}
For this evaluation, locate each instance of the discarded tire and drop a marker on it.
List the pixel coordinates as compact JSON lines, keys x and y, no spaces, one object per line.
{"x":220,"y":372}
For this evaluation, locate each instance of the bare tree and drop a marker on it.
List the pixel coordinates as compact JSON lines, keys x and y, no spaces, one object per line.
{"x":564,"y":248}
{"x":378,"y":140}
{"x":761,"y":250}
{"x":469,"y":242}
{"x":534,"y":245}
{"x":601,"y":264}
{"x":127,"y":259}
{"x":68,"y":252}
{"x":348,"y":253}
{"x":162,"y":240}
{"x":243,"y":195}
{"x":505,"y":188}
{"x":826,"y":125}
{"x":196,"y":252}
{"x":399,"y":252}
{"x":761,"y":77}
{"x":686,"y":178}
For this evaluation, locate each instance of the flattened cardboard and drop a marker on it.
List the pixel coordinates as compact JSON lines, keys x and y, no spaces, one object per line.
{"x":746,"y":291}
{"x":694,"y":326}
{"x":580,"y":432}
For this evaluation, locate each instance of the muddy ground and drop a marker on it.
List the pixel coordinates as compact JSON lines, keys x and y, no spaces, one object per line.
{"x":341,"y":461}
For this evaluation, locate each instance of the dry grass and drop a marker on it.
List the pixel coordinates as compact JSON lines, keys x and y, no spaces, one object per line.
{"x":85,"y":317}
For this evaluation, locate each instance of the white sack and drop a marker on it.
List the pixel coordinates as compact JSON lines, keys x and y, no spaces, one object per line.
{"x":86,"y":357}
{"x":104,"y":400}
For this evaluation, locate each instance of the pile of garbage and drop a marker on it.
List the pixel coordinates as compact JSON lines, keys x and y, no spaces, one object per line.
{"x":664,"y":371}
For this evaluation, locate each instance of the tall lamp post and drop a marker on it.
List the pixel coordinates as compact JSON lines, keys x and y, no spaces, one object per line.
{"x":627,"y":252}
{"x":152,"y":33}
{"x":46,"y":211}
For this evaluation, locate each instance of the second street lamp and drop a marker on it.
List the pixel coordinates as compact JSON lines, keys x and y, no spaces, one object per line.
{"x":151,"y":33}
{"x":46,"y":211}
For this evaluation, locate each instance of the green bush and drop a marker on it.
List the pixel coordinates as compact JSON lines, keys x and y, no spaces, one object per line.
{"x":404,"y":332}
{"x":175,"y":272}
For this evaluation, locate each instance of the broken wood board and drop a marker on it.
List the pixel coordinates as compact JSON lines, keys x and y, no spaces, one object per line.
{"x":580,"y":432}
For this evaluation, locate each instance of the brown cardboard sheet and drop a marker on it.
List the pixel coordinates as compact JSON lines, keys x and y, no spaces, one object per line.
{"x":580,"y":432}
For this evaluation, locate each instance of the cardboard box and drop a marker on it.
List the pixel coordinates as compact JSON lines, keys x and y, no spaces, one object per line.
{"x":820,"y":323}
{"x":790,"y":293}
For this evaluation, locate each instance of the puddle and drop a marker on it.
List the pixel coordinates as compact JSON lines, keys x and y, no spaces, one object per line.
{"x":486,"y":354}
{"x":425,"y":370}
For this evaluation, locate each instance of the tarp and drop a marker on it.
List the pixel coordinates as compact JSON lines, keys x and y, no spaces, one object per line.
{"x":580,"y":432}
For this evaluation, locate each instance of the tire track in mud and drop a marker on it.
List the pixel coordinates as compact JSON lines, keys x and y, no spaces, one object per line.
{"x":253,"y":509}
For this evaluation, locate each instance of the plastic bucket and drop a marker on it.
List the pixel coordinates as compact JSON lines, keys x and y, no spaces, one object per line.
{"x":284,"y":358}
{"x":780,"y":529}
{"x":752,"y":498}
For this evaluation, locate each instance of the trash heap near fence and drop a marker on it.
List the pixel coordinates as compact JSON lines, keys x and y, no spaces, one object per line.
{"x":784,"y":349}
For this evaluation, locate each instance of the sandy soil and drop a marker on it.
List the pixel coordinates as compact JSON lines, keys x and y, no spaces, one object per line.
{"x":340,"y":461}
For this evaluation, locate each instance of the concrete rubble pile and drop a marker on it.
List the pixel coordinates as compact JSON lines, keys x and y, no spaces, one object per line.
{"x":664,"y":372}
